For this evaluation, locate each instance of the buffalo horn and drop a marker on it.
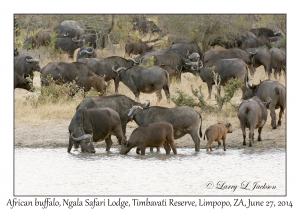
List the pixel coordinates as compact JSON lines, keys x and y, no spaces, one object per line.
{"x":32,"y":60}
{"x":133,"y":109}
{"x":148,"y":103}
{"x":75,"y":40}
{"x":131,"y":59}
{"x":88,"y":52}
{"x":119,"y":69}
{"x":194,"y":55}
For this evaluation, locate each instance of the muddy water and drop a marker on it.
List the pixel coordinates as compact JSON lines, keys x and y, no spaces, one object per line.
{"x":52,"y":171}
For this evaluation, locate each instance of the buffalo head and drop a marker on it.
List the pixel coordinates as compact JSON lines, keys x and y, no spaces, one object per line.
{"x":85,"y":141}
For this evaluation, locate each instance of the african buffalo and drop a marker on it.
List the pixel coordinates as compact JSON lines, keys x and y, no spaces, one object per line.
{"x":68,"y":45}
{"x":173,"y":71}
{"x":152,"y":135}
{"x":119,"y":103}
{"x":136,"y":48}
{"x":217,"y":132}
{"x":262,"y":57}
{"x":30,"y":43}
{"x":259,"y":41}
{"x":146,"y":80}
{"x":16,"y":52}
{"x":87,"y":83}
{"x":144,"y":25}
{"x":188,"y":48}
{"x":247,"y":57}
{"x":94,"y":125}
{"x":69,"y":28}
{"x":62,"y":72}
{"x":265,"y":32}
{"x":170,"y":58}
{"x":86,"y":52}
{"x":265,"y":90}
{"x":103,"y":66}
{"x":21,"y":82}
{"x":252,"y":114}
{"x":185,"y":120}
{"x":226,"y":69}
{"x":43,"y":38}
{"x":25,"y":65}
{"x":278,"y":61}
{"x":90,"y":40}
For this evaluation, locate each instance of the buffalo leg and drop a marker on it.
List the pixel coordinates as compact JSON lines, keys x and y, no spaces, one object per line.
{"x":172,"y":145}
{"x":196,"y":138}
{"x":251,"y":132}
{"x":116,"y":81}
{"x":224,"y":144}
{"x":244,"y":134}
{"x":167,"y":147}
{"x":138,"y":150}
{"x":273,"y":115}
{"x":208,"y":145}
{"x":167,"y":93}
{"x":259,"y":132}
{"x":143,"y":151}
{"x":159,"y":96}
{"x":209,"y":86}
{"x":108,"y":142}
{"x":71,"y":142}
{"x":219,"y":144}
{"x":280,"y":115}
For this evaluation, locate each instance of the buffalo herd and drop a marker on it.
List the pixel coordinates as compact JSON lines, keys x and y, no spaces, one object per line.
{"x":98,"y":117}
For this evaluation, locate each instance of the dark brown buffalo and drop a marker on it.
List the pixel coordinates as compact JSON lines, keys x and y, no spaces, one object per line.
{"x":225,"y":69}
{"x":152,"y":135}
{"x":68,"y":45}
{"x":62,"y":72}
{"x":217,"y":132}
{"x":188,"y":48}
{"x":25,"y":65}
{"x":120,"y":103}
{"x":94,"y":125}
{"x":252,"y":114}
{"x":43,"y":38}
{"x":265,"y":32}
{"x":136,"y":48}
{"x":247,"y":57}
{"x":30,"y":43}
{"x":141,"y":23}
{"x":262,"y":58}
{"x":69,"y":28}
{"x":21,"y":82}
{"x":171,"y":58}
{"x":185,"y":120}
{"x":260,"y":41}
{"x":173,"y":72}
{"x":103,"y":66}
{"x":86,"y":52}
{"x":87,"y":83}
{"x":145,"y":80}
{"x":266,"y":90}
{"x":278,"y":61}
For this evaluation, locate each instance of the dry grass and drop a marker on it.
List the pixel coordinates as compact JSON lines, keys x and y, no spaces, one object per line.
{"x":26,"y":113}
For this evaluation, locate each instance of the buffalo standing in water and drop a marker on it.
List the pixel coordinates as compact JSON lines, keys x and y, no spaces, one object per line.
{"x":93,"y":125}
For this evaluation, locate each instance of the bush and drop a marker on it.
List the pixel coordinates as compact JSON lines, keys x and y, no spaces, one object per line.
{"x":149,"y":63}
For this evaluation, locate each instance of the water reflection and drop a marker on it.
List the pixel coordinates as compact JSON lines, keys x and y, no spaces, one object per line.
{"x":53,"y":171}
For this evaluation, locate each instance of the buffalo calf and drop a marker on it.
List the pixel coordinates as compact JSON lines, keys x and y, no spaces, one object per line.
{"x":217,"y":132}
{"x":252,"y":114}
{"x":152,"y":135}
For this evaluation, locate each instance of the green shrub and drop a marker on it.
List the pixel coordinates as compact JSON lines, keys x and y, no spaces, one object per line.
{"x":149,"y":63}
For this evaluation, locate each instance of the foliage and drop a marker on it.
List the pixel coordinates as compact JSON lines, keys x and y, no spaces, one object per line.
{"x":149,"y":63}
{"x":183,"y":99}
{"x":229,"y":89}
